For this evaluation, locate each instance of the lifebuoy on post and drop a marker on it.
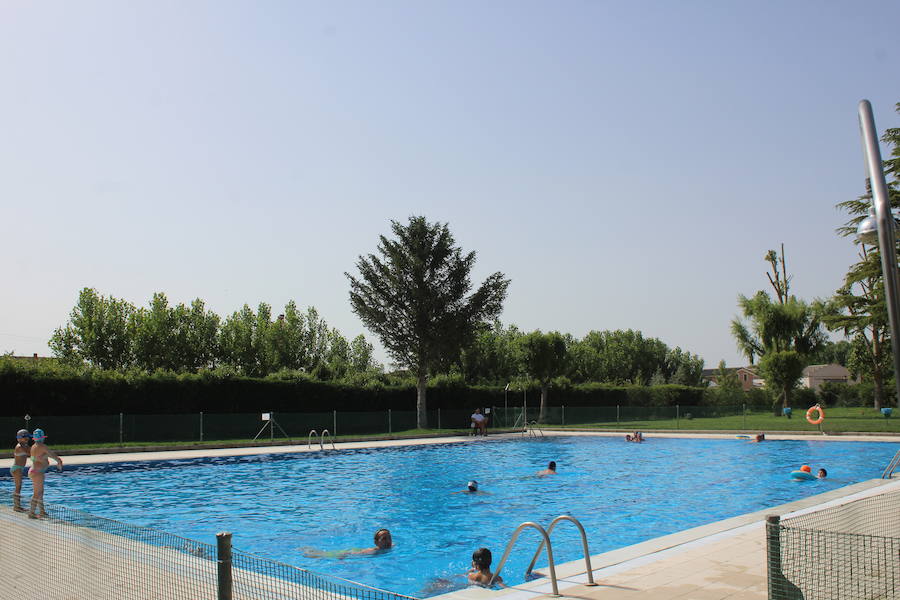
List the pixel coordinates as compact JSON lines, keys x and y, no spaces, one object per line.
{"x":809,"y":413}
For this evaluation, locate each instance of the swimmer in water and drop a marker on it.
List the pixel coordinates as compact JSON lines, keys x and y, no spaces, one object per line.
{"x":480,"y":573}
{"x":383,"y":542}
{"x":471,"y":488}
{"x":822,"y":474}
{"x":550,"y":470}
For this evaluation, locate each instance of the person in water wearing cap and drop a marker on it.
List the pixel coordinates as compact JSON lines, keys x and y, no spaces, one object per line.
{"x":383,"y":542}
{"x":550,"y":470}
{"x":480,"y":573}
{"x":20,"y":457}
{"x":471,"y":488}
{"x":40,"y":462}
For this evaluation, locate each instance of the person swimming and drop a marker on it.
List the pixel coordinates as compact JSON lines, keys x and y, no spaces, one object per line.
{"x":383,"y":542}
{"x":480,"y":573}
{"x":822,"y":474}
{"x":20,"y":458}
{"x":550,"y":470}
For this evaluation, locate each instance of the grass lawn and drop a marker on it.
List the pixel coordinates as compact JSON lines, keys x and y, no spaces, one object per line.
{"x":836,"y":420}
{"x":859,"y":419}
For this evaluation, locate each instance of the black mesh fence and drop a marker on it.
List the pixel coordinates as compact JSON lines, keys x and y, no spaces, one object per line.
{"x":196,"y":427}
{"x":847,"y":551}
{"x":80,"y":555}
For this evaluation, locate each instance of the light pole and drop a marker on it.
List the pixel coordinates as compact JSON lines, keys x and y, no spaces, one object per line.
{"x":882,"y":229}
{"x":505,"y":405}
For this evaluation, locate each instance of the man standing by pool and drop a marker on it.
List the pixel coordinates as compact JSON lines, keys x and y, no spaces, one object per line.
{"x":479,"y":423}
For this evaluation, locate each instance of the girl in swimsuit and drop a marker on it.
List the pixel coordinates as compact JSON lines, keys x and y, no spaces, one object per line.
{"x":20,"y":456}
{"x":40,"y":462}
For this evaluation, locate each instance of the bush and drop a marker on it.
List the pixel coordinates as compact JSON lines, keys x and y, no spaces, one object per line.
{"x":803,"y":398}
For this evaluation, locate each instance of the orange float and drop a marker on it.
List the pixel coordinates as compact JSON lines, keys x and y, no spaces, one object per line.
{"x":810,"y":412}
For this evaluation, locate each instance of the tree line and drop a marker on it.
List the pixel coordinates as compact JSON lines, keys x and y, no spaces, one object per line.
{"x":111,"y":333}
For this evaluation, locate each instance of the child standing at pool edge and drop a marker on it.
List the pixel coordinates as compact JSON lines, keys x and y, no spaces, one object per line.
{"x":40,"y":462}
{"x":20,"y":457}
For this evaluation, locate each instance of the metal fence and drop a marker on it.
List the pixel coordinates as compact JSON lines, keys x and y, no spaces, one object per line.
{"x":198,"y":427}
{"x":847,"y":551}
{"x":74,"y":555}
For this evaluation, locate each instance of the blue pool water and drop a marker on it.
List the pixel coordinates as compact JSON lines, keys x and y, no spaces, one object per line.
{"x":623,"y":493}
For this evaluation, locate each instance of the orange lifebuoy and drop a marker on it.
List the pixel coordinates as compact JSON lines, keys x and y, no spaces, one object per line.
{"x":810,"y":412}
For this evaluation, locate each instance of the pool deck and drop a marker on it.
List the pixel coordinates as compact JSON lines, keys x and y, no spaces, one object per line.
{"x":721,"y":560}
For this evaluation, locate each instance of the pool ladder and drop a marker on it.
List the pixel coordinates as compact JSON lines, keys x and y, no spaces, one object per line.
{"x":545,"y":541}
{"x":320,"y":437}
{"x":530,"y":429}
{"x":889,"y":470}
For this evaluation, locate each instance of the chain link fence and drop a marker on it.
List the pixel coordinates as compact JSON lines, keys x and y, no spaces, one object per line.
{"x":74,"y":555}
{"x":847,"y":551}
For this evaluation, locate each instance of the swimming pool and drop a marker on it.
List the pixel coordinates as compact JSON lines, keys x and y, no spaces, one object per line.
{"x":622,"y":493}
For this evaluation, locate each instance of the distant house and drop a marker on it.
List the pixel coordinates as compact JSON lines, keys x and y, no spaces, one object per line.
{"x":745,"y":376}
{"x":815,"y":375}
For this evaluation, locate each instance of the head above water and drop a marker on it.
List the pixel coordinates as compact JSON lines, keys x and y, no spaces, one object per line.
{"x":472,"y":485}
{"x":482,"y":558}
{"x":23,"y":433}
{"x":552,"y":465}
{"x":39,"y":435}
{"x":822,"y":473}
{"x":383,"y":539}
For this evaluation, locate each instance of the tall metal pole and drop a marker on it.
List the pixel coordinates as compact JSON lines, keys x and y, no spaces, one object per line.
{"x":887,"y":244}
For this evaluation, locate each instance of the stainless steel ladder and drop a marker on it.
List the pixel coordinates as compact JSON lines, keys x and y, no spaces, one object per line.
{"x":889,"y":470}
{"x":530,"y":429}
{"x":545,"y":542}
{"x":320,"y":437}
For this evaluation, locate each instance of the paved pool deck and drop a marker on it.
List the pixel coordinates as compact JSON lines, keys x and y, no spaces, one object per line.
{"x":721,"y":560}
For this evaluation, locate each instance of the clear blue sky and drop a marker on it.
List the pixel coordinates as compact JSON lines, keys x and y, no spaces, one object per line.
{"x":626,"y":164}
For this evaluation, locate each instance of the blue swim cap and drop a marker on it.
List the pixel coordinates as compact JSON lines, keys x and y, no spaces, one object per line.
{"x":23,"y":433}
{"x":38,"y":434}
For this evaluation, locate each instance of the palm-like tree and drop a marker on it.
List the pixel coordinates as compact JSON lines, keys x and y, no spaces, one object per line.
{"x":781,"y":335}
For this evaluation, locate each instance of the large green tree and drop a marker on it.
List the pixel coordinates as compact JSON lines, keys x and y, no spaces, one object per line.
{"x":782,"y":335}
{"x":544,"y":357}
{"x":415,"y":295}
{"x":97,"y":332}
{"x":858,"y":308}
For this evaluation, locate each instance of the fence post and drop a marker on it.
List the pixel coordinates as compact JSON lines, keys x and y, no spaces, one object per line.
{"x":121,"y":429}
{"x":564,"y":414}
{"x":335,"y":424}
{"x":617,"y":414}
{"x":439,"y":418}
{"x":390,"y":430}
{"x":779,"y":586}
{"x":223,"y":555}
{"x":744,"y":415}
{"x":677,"y":416}
{"x":201,"y":426}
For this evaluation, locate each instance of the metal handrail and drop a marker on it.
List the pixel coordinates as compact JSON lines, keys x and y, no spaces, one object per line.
{"x":584,"y":544}
{"x":889,"y":470}
{"x":313,"y":432}
{"x":531,"y":428}
{"x":512,"y":541}
{"x":328,"y":433}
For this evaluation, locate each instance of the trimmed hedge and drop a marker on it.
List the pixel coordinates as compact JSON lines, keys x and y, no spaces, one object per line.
{"x":43,"y":391}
